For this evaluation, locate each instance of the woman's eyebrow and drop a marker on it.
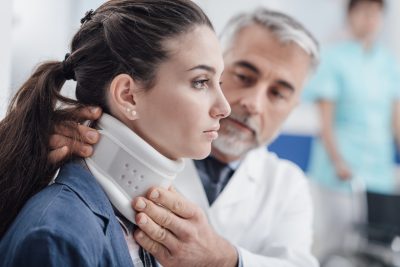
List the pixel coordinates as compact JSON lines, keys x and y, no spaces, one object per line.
{"x":203,"y":67}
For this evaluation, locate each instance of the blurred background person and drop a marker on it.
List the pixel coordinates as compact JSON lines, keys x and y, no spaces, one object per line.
{"x":357,"y":92}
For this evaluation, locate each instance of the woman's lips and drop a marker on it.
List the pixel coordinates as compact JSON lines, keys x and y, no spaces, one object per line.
{"x":211,"y":134}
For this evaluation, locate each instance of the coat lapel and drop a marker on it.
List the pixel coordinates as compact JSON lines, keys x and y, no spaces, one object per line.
{"x":243,"y":183}
{"x":240,"y":186}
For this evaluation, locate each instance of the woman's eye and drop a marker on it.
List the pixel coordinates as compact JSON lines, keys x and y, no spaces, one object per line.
{"x":200,"y":84}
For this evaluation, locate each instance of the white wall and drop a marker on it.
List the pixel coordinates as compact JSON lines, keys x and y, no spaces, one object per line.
{"x":40,"y":33}
{"x":392,"y":27}
{"x":43,"y":31}
{"x":5,"y":55}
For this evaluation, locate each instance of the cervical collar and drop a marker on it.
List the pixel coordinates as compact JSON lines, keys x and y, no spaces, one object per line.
{"x":126,"y":166}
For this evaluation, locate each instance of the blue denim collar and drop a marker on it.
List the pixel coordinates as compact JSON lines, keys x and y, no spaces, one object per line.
{"x":75,"y":176}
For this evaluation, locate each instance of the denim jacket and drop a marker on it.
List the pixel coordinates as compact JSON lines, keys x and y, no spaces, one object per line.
{"x":69,"y":223}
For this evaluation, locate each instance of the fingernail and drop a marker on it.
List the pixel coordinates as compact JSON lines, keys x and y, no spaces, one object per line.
{"x":91,"y":135}
{"x":86,"y":150}
{"x":93,"y":109}
{"x":143,"y":220}
{"x":140,"y":204}
{"x":140,"y":235}
{"x":154,"y":194}
{"x":65,"y":149}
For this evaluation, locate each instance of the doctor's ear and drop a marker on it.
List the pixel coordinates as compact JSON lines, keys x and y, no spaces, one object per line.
{"x":122,"y":97}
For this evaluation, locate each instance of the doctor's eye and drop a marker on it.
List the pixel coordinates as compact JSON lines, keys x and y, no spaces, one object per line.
{"x":200,"y":84}
{"x":245,"y":80}
{"x":276,"y":93}
{"x":280,"y":93}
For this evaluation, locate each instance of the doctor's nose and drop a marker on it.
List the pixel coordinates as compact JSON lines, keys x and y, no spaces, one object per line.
{"x":253,"y":102}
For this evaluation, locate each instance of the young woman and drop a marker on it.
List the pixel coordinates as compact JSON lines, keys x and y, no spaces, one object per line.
{"x":154,"y":65}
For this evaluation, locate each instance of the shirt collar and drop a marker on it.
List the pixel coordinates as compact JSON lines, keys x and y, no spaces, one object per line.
{"x":235,"y":164}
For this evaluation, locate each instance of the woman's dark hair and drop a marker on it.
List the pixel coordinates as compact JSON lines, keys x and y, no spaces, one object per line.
{"x":354,"y":3}
{"x":121,"y":36}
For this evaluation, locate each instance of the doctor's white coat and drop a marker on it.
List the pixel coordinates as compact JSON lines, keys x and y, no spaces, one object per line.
{"x":265,"y":210}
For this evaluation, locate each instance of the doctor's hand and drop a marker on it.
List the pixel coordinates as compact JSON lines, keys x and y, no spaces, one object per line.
{"x":176,"y":232}
{"x":64,"y":141}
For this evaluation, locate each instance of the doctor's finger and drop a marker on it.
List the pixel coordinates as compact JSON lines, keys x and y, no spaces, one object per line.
{"x":58,"y":155}
{"x":86,"y":113}
{"x":89,"y":113}
{"x":156,"y":232}
{"x":160,"y":252}
{"x":173,"y":201}
{"x":75,"y":147}
{"x":77,"y":131}
{"x":162,"y":216}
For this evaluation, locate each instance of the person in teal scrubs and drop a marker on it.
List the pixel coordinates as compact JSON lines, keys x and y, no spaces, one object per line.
{"x":357,"y":91}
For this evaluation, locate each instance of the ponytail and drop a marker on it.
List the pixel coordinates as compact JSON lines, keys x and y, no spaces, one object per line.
{"x":24,"y":138}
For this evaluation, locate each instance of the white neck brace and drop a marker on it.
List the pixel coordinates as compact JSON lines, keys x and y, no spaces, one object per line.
{"x":126,"y":166}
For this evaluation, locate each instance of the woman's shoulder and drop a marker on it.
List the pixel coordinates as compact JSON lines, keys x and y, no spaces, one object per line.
{"x":56,"y":220}
{"x":59,"y":210}
{"x":59,"y":206}
{"x":65,"y":209}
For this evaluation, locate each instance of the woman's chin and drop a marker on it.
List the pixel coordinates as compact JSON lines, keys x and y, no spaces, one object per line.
{"x":201,"y":154}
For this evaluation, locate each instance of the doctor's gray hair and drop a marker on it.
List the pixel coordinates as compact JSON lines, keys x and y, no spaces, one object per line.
{"x":285,"y":28}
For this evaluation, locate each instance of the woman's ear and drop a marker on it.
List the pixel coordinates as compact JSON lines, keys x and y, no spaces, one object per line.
{"x":122,"y":97}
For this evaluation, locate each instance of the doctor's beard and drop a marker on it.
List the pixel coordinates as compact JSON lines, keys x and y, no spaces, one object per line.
{"x":236,"y":143}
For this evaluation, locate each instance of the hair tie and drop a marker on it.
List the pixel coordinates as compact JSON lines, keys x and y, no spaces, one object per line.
{"x":67,"y":68}
{"x":88,"y":16}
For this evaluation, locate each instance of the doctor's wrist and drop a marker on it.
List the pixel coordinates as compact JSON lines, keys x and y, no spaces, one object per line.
{"x":229,"y":255}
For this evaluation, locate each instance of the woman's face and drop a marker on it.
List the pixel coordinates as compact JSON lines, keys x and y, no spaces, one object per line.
{"x":179,"y":115}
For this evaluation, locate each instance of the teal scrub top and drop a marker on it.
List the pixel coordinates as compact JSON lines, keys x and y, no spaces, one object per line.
{"x":364,"y":86}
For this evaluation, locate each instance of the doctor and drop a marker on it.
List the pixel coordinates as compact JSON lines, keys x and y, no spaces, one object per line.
{"x":242,"y":198}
